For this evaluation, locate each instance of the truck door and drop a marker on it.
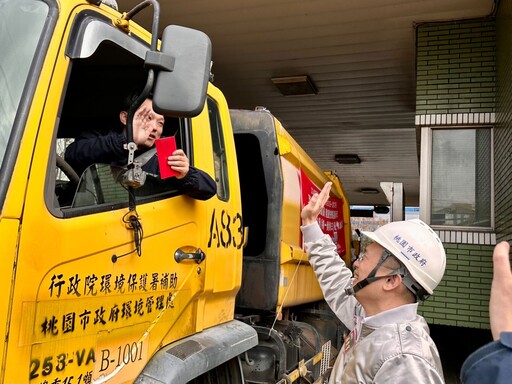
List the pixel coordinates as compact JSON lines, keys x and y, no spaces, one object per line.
{"x":224,"y":230}
{"x":98,"y":286}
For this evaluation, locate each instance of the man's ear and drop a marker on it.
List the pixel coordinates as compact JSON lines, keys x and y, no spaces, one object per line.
{"x":122,"y":116}
{"x":392,"y":282}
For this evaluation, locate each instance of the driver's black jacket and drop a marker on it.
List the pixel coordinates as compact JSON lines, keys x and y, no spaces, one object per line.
{"x":91,"y":147}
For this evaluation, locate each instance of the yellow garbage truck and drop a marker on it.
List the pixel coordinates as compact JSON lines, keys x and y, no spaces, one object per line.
{"x":111,"y":274}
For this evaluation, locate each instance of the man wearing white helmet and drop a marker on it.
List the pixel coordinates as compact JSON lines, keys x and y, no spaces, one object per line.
{"x":389,"y":342}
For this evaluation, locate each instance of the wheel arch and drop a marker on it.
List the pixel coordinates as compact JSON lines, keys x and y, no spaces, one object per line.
{"x":192,"y":356}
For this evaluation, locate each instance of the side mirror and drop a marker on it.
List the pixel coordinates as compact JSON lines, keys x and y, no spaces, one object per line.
{"x":181,"y":92}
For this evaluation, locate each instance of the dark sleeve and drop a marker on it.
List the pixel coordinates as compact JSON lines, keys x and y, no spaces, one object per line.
{"x":198,"y":184}
{"x":491,"y":363}
{"x":91,"y":148}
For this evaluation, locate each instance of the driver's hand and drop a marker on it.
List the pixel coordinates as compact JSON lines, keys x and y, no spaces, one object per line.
{"x":141,"y":125}
{"x":178,"y":161}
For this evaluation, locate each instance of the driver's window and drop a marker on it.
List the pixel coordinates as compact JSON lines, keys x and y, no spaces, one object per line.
{"x":96,"y":94}
{"x":99,"y":185}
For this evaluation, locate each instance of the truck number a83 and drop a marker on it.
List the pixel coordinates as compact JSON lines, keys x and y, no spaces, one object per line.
{"x":226,"y":230}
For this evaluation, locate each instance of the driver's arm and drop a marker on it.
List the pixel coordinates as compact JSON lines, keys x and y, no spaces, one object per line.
{"x":91,"y":147}
{"x":196,"y":183}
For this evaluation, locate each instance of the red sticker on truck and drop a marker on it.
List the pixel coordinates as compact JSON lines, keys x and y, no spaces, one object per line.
{"x":331,"y":217}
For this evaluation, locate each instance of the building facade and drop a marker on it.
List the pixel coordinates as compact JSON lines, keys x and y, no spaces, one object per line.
{"x":464,"y":119}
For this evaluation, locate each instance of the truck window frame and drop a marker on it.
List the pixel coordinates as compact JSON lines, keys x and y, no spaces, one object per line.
{"x":26,"y":99}
{"x":90,"y":29}
{"x":219,"y":149}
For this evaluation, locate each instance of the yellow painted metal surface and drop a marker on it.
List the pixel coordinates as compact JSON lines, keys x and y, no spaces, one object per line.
{"x":77,"y":317}
{"x":222,"y":226}
{"x":9,"y":235}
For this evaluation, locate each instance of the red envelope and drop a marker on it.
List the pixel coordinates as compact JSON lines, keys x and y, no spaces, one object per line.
{"x":164,"y":148}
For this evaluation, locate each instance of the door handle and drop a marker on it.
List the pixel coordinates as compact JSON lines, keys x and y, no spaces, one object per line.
{"x":198,"y":256}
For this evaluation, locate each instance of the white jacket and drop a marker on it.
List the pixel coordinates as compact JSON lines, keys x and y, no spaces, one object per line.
{"x":391,"y":347}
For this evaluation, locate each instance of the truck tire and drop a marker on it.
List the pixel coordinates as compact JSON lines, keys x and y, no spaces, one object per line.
{"x":228,"y":373}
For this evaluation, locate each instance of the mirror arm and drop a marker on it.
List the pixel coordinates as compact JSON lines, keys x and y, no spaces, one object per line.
{"x":136,"y":176}
{"x":151,"y":75}
{"x":159,"y":61}
{"x":131,"y":113}
{"x":156,"y":17}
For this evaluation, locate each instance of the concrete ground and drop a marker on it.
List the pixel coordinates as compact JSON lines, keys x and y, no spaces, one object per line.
{"x":455,"y":344}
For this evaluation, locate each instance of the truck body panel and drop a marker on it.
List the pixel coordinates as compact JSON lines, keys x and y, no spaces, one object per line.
{"x":274,"y":172}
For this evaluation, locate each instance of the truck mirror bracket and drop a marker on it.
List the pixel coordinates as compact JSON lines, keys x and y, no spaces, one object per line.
{"x":159,"y":61}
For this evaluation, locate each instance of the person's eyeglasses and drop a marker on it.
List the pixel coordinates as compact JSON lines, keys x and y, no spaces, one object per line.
{"x":365,"y":242}
{"x":361,"y":256}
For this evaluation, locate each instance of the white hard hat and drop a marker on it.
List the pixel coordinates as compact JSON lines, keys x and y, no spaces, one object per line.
{"x":417,"y":246}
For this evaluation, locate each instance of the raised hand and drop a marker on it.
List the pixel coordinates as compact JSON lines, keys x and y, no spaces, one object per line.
{"x":141,"y":124}
{"x":315,"y":205}
{"x":500,"y":305}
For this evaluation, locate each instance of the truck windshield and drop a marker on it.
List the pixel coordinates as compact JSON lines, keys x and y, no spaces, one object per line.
{"x":21,"y":24}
